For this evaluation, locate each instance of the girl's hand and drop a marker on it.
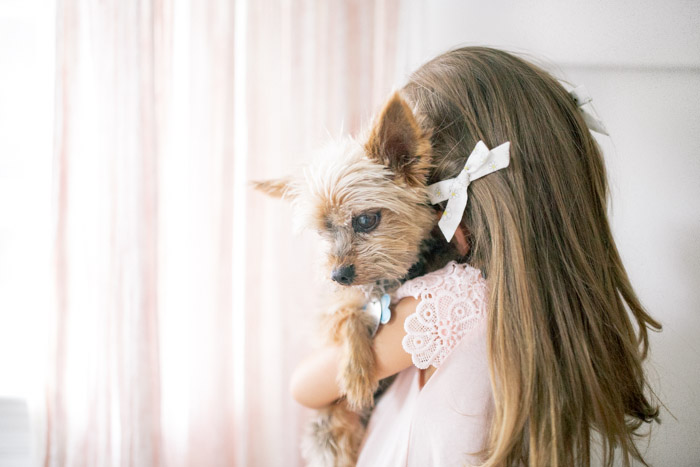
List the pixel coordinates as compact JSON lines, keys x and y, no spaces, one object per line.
{"x":313,"y":382}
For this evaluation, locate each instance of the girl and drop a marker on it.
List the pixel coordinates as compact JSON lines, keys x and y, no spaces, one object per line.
{"x":533,"y":348}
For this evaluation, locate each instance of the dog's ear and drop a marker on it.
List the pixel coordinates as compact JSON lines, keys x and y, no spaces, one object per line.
{"x":277,"y":188}
{"x":397,"y":141}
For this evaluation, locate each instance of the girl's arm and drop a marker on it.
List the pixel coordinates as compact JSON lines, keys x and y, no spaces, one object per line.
{"x":313,"y":382}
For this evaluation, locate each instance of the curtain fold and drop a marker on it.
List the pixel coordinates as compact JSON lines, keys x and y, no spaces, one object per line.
{"x":160,"y":357}
{"x":104,"y":392}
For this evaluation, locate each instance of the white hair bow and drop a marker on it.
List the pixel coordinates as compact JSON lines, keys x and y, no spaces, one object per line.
{"x":583,"y":98}
{"x":480,"y":162}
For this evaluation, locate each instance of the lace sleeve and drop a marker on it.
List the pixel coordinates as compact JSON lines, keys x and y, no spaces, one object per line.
{"x":452,"y":302}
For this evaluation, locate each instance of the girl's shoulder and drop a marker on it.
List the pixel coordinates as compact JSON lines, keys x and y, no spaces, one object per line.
{"x":452,"y":303}
{"x":458,"y":279}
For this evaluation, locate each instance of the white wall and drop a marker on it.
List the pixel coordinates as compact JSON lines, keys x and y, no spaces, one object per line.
{"x":641,"y":62}
{"x":26,"y":230}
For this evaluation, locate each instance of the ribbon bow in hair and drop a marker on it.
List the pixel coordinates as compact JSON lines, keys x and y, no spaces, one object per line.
{"x":582,"y":98}
{"x":480,"y":162}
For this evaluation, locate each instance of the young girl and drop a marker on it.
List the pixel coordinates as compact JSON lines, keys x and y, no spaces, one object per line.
{"x":521,"y":347}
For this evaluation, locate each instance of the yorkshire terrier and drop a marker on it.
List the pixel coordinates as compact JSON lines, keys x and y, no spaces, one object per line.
{"x":369,"y":204}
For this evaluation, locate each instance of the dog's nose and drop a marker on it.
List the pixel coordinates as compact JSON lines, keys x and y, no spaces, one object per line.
{"x":344,"y":275}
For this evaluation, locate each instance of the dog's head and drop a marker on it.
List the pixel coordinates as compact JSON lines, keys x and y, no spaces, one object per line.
{"x":367,"y":201}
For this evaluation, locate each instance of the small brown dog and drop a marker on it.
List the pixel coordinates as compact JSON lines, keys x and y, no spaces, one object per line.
{"x":369,"y":203}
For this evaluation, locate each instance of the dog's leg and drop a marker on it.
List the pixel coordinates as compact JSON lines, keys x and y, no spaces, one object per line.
{"x":333,"y":437}
{"x":351,"y":326}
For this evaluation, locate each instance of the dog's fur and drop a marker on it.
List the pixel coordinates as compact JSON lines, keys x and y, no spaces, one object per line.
{"x":386,"y":174}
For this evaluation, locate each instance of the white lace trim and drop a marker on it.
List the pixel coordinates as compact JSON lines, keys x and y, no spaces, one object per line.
{"x":452,"y":302}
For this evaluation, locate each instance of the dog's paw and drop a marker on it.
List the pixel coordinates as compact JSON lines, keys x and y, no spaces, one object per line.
{"x":356,"y":379}
{"x":333,"y":438}
{"x":351,"y":326}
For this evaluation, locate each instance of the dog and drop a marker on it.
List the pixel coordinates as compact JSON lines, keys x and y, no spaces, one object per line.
{"x":367,"y":199}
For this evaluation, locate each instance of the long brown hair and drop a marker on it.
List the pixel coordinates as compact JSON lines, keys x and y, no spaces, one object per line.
{"x":564,"y":354}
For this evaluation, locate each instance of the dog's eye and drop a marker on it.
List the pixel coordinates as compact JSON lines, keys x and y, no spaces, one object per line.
{"x":366,"y":222}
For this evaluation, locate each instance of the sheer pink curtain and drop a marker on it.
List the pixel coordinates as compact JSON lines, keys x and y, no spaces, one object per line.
{"x":183,"y":300}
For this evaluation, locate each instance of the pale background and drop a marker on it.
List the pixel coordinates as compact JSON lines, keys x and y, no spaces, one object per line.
{"x":641,"y":62}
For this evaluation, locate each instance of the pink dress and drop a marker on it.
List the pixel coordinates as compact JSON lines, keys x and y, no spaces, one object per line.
{"x":445,"y":422}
